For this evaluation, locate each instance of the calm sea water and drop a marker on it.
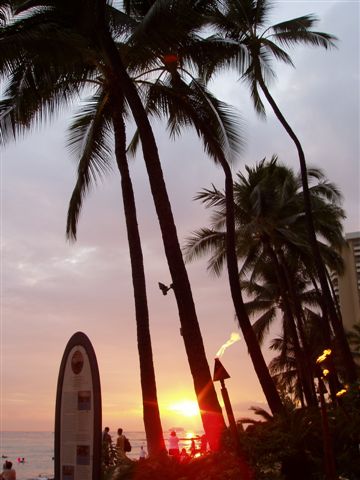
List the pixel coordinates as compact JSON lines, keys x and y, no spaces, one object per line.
{"x":37,"y":448}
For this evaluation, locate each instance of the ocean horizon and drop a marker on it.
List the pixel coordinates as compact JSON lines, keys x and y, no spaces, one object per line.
{"x":37,"y":450}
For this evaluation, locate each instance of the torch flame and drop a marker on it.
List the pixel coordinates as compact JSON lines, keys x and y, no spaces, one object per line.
{"x":234,"y":337}
{"x":324,"y":356}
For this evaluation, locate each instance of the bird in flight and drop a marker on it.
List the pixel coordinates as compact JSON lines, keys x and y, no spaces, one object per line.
{"x":164,"y":288}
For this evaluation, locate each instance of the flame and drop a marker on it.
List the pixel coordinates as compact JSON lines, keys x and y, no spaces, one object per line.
{"x":341,"y":392}
{"x":234,"y":337}
{"x":324,"y":355}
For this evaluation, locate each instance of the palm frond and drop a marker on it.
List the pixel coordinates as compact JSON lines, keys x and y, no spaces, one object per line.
{"x":262,"y":325}
{"x":212,"y":198}
{"x":250,"y":79}
{"x":205,"y":241}
{"x":34,"y":95}
{"x":300,"y":23}
{"x":262,"y":413}
{"x":278,"y":53}
{"x":89,"y":137}
{"x":314,"y":39}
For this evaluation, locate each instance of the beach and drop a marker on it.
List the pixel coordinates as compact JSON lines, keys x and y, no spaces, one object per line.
{"x":37,"y":449}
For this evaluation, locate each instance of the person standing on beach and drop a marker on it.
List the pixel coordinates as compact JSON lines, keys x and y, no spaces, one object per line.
{"x":142,"y":455}
{"x":203,"y":446}
{"x":8,"y":473}
{"x":192,"y":448}
{"x":120,"y":444}
{"x":173,"y":444}
{"x":184,"y":456}
{"x":106,"y":445}
{"x":106,"y":435}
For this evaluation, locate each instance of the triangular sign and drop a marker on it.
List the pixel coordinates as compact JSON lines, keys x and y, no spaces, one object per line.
{"x":219,"y":371}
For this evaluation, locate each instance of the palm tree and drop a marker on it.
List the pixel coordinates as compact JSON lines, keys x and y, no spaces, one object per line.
{"x":192,"y":104}
{"x":269,"y":201}
{"x":269,"y":300}
{"x":94,"y":120}
{"x":242,"y":25}
{"x":284,"y":370}
{"x":291,"y":440}
{"x":269,"y":231}
{"x":210,"y":409}
{"x":89,"y":26}
{"x":210,"y":136}
{"x":267,"y":304}
{"x":90,"y":132}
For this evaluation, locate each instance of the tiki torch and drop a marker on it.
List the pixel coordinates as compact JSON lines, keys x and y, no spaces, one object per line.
{"x":220,"y":375}
{"x":322,"y":372}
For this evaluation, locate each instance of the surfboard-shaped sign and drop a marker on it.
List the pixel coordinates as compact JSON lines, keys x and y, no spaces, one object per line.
{"x":78,"y":413}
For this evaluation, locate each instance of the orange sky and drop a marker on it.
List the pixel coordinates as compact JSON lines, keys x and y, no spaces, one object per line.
{"x":51,"y":289}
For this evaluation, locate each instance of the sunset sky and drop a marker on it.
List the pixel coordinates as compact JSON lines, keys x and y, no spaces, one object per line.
{"x":51,"y":288}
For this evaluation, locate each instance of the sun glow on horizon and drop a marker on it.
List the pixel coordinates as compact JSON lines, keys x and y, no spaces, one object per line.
{"x":187,"y":408}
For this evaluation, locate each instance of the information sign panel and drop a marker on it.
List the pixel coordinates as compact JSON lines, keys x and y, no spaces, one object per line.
{"x":78,"y":413}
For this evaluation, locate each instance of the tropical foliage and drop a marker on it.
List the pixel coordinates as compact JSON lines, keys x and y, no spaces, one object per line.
{"x":291,"y":446}
{"x":57,"y":76}
{"x":220,"y":466}
{"x":246,"y":41}
{"x":281,"y":447}
{"x":277,"y":271}
{"x":191,"y":104}
{"x":153,"y":59}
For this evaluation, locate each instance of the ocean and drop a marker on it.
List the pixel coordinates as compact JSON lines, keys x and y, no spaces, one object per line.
{"x":37,"y":449}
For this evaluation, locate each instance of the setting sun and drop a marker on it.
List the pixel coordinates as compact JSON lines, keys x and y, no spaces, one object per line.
{"x":187,"y":408}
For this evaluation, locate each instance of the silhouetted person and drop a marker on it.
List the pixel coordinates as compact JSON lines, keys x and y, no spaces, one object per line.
{"x":203,"y":445}
{"x":8,"y":473}
{"x":173,"y":444}
{"x":120,"y":444}
{"x":192,"y":448}
{"x":142,"y":454}
{"x":106,"y":445}
{"x":184,"y":456}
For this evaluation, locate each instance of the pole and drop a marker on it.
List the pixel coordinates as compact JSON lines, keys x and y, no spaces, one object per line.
{"x":329,"y":460}
{"x":230,"y":415}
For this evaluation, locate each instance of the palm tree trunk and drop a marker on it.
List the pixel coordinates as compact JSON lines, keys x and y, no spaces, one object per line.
{"x":303,"y":373}
{"x":334,"y":297}
{"x":334,"y":383}
{"x":151,"y":413}
{"x":327,"y":305}
{"x":211,"y":414}
{"x":254,"y":349}
{"x":300,"y":325}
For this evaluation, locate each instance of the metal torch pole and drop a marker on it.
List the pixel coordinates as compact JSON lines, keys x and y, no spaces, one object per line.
{"x":230,"y":415}
{"x":330,"y":470}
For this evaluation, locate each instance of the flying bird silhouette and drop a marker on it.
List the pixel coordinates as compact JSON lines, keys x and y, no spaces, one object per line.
{"x":164,"y":288}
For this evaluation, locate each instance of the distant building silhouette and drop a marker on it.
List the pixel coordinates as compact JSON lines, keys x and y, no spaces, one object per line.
{"x":347,"y":286}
